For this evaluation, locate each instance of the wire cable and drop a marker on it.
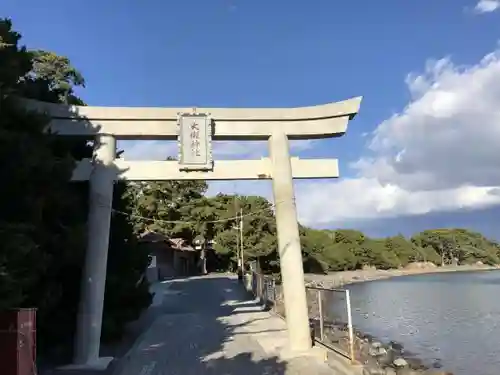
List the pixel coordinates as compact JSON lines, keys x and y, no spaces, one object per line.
{"x":233,"y":218}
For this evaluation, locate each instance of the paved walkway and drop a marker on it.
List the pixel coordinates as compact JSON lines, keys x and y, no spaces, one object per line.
{"x":207,"y":327}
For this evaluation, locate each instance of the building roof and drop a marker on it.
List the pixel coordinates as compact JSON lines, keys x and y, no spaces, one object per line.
{"x":173,"y":243}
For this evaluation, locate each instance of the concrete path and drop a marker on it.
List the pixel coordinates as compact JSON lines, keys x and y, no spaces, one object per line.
{"x":207,"y":326}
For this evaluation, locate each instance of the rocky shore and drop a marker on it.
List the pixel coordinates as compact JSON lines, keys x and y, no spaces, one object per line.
{"x":375,"y":357}
{"x":371,"y":356}
{"x":340,"y":279}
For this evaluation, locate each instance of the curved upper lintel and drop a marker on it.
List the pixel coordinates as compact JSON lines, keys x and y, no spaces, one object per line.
{"x":324,"y":111}
{"x":322,"y":121}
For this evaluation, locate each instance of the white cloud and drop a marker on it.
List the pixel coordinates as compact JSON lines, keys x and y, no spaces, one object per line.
{"x":364,"y":198}
{"x":487,"y":6}
{"x":448,"y":135}
{"x":159,"y":150}
{"x":440,"y":153}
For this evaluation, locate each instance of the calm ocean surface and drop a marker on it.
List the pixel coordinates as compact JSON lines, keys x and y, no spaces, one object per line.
{"x":452,"y":317}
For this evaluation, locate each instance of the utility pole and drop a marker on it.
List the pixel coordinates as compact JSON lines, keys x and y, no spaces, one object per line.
{"x":238,"y":253}
{"x":241,"y":243}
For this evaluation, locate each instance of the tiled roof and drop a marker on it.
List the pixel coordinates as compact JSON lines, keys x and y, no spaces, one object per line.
{"x":175,"y":243}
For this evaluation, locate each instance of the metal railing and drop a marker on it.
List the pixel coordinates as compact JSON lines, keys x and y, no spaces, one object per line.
{"x":265,"y":288}
{"x":330,"y":314}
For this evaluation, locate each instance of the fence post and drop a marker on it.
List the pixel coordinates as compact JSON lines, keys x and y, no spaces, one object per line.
{"x":273,"y":288}
{"x":349,"y":324}
{"x":264,"y":290}
{"x":259,"y":287}
{"x":321,"y":320}
{"x":262,"y":281}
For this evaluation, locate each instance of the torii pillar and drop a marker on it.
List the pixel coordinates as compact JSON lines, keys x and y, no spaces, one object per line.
{"x":89,"y":321}
{"x":276,"y":125}
{"x":289,"y":249}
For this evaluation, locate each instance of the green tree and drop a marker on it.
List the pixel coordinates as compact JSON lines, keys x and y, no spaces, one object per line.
{"x":52,"y":78}
{"x":375,"y":253}
{"x":405,"y":250}
{"x":42,"y":214}
{"x":461,"y":244}
{"x":259,"y":229}
{"x":349,"y":236}
{"x":174,"y":208}
{"x":127,"y":291}
{"x":315,"y":249}
{"x":341,"y":257}
{"x":42,"y":217}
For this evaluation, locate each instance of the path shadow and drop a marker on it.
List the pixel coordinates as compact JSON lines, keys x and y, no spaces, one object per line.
{"x":197,"y":332}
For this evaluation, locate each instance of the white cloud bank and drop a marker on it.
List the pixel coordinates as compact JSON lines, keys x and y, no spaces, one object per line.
{"x":442,"y":152}
{"x":487,"y":6}
{"x":159,"y":150}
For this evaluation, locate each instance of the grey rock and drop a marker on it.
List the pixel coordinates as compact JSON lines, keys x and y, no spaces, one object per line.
{"x":373,"y":371}
{"x":377,"y":352}
{"x":396,"y":346}
{"x":437,"y":364}
{"x":408,"y":371}
{"x":400,"y":362}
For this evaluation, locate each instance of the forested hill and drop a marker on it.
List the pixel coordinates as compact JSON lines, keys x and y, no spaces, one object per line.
{"x":323,"y":250}
{"x":350,"y":249}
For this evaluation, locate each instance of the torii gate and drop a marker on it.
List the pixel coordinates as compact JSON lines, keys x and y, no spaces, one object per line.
{"x":195,"y":130}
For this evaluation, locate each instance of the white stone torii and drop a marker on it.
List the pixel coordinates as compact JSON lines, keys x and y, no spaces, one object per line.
{"x":276,"y":125}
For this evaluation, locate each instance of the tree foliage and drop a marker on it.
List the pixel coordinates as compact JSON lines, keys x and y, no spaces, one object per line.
{"x":259,"y":228}
{"x":349,"y":249}
{"x":127,"y":292}
{"x":175,"y":208}
{"x":322,"y":250}
{"x":460,"y":245}
{"x":180,"y":209}
{"x":43,"y":215}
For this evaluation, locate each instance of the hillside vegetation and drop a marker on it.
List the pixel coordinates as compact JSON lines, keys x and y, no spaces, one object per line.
{"x":323,"y":250}
{"x":342,"y":250}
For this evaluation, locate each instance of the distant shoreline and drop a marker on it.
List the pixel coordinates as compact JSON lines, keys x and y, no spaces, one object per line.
{"x":343,"y":278}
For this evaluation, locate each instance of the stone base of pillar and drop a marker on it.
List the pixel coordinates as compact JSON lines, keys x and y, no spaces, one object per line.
{"x":316,"y":352}
{"x":100,"y":364}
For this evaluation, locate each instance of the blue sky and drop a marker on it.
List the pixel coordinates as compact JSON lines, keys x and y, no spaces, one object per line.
{"x":236,"y":53}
